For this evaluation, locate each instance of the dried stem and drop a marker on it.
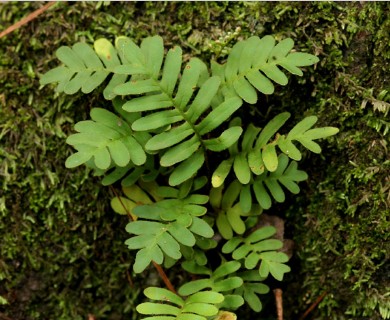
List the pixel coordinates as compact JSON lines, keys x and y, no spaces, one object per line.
{"x":27,"y":19}
{"x":314,"y":304}
{"x":279,"y":303}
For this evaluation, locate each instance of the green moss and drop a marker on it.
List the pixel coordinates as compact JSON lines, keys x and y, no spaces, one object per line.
{"x":62,"y":254}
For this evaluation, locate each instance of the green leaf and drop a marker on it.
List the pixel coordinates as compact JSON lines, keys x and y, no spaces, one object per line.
{"x":155,"y":293}
{"x":261,"y":195}
{"x":153,"y":50}
{"x":137,"y":153}
{"x":242,"y":252}
{"x":289,"y":149}
{"x":201,"y":228}
{"x":226,"y":269}
{"x":271,"y":129}
{"x":194,"y":286}
{"x":246,"y":199}
{"x":231,"y":194}
{"x":260,"y":82}
{"x":228,"y":284}
{"x":180,"y":152}
{"x":170,"y":138}
{"x":77,"y":159}
{"x":268,"y":244}
{"x":137,"y":87}
{"x":117,"y":79}
{"x":156,"y":120}
{"x":224,"y":226}
{"x":205,"y":297}
{"x":169,"y":245}
{"x":277,"y":270}
{"x":301,"y":59}
{"x":241,"y":168}
{"x":219,"y":115}
{"x":102,"y":158}
{"x":319,"y":133}
{"x":301,"y":127}
{"x":233,"y":215}
{"x":201,"y":309}
{"x":260,"y":234}
{"x":221,"y":172}
{"x":122,"y":205}
{"x":255,"y":162}
{"x":187,"y":169}
{"x":270,"y":157}
{"x":182,"y":235}
{"x":157,"y":308}
{"x":281,"y":49}
{"x":129,"y":51}
{"x":67,"y":56}
{"x":225,"y":140}
{"x":275,"y":189}
{"x":274,"y":73}
{"x":119,"y":153}
{"x":107,"y":53}
{"x":232,"y":301}
{"x":148,"y":103}
{"x":203,"y":99}
{"x":262,"y":51}
{"x":245,"y":90}
{"x":188,"y":83}
{"x":171,"y":70}
{"x":58,"y":74}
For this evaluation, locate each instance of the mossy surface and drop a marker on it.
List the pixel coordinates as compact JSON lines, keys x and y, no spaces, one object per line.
{"x":62,"y":254}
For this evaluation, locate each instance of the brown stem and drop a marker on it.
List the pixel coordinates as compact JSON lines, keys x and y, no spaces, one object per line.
{"x":164,"y":277}
{"x":279,"y":303}
{"x":122,"y":204}
{"x":314,"y":304}
{"x":27,"y":19}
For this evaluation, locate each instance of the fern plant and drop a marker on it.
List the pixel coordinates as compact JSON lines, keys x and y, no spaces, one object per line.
{"x":194,"y":178}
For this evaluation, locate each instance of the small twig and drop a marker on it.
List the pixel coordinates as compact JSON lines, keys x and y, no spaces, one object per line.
{"x":164,"y":277}
{"x":160,"y":270}
{"x":128,"y":275}
{"x":122,"y":204}
{"x":27,"y":19}
{"x":279,"y":303}
{"x":314,"y":304}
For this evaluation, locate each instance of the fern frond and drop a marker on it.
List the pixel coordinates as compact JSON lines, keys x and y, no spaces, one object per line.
{"x":269,"y":184}
{"x":170,"y":306}
{"x":253,"y":63}
{"x":230,"y":213}
{"x":257,"y":248}
{"x":175,"y":223}
{"x":251,"y":288}
{"x":107,"y":139}
{"x":86,"y":68}
{"x":257,"y":153}
{"x":220,"y":280}
{"x":181,"y":112}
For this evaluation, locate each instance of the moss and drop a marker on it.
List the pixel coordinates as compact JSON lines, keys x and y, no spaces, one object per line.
{"x":62,"y":253}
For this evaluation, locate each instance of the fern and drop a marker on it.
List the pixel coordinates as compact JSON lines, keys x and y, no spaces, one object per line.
{"x":193,"y":178}
{"x":253,"y":63}
{"x":256,"y":247}
{"x":258,"y":154}
{"x":252,"y":286}
{"x":198,"y":306}
{"x":220,"y":280}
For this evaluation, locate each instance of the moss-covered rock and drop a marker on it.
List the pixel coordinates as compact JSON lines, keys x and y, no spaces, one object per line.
{"x":62,"y":254}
